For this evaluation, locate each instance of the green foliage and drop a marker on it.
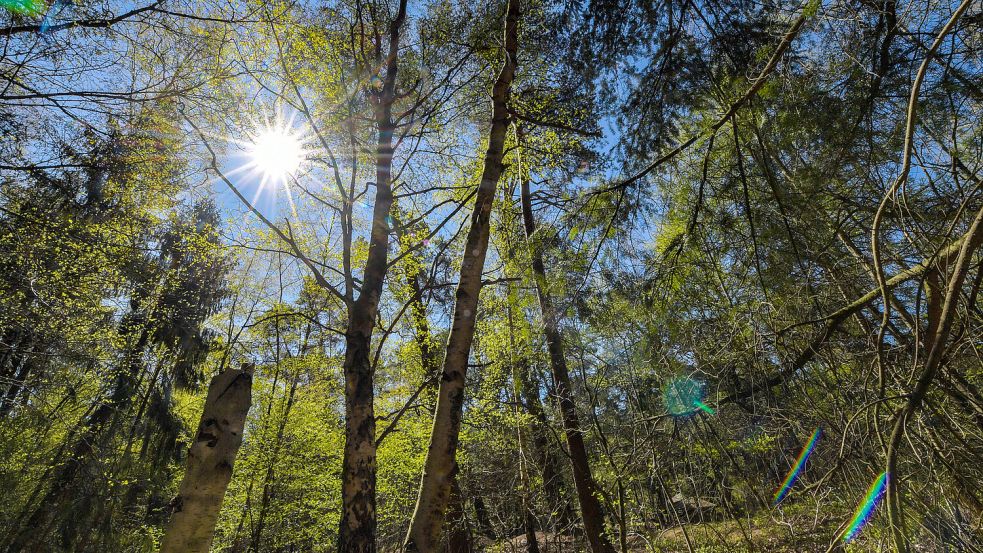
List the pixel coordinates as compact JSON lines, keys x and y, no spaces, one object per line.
{"x":129,"y":275}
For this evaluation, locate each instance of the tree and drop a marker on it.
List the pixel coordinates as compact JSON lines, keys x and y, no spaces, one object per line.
{"x":590,"y":505}
{"x":175,"y":272}
{"x":681,"y":241}
{"x":440,"y":466}
{"x":210,"y":462}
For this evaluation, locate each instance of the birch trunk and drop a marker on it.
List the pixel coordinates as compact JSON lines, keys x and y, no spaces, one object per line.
{"x":441,"y":466}
{"x":210,"y":460}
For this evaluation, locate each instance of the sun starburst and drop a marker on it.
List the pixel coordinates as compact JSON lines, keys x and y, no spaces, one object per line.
{"x":276,"y":151}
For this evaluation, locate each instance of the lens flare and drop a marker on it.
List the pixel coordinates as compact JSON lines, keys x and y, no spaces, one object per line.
{"x":683,"y":396}
{"x":275,"y":152}
{"x":866,"y":509}
{"x":705,"y":407}
{"x":793,"y":474}
{"x":23,"y":7}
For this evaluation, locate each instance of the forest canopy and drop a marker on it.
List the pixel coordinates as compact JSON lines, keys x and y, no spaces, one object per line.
{"x":519,"y":275}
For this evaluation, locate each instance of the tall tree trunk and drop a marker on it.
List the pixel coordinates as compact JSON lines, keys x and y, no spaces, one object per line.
{"x":358,"y":519}
{"x":590,"y":506}
{"x":357,"y":530}
{"x":210,"y":460}
{"x":440,"y":466}
{"x":561,"y":515}
{"x":459,"y":534}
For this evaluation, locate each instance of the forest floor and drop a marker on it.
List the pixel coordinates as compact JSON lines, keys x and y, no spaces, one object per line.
{"x":799,"y":533}
{"x":796,"y":534}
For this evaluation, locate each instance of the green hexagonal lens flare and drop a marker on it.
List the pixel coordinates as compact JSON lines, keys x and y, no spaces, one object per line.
{"x":684,"y":395}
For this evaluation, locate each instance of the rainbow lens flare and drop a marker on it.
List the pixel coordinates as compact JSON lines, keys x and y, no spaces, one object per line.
{"x":705,"y":407}
{"x":793,"y":474}
{"x":873,"y":497}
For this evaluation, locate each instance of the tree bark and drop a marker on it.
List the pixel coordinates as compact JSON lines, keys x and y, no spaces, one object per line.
{"x":459,"y":534}
{"x":210,"y":460}
{"x":357,"y":530}
{"x":358,"y":519}
{"x":590,"y":506}
{"x":441,"y":466}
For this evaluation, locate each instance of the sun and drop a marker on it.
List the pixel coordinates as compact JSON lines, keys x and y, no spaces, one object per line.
{"x":276,"y":152}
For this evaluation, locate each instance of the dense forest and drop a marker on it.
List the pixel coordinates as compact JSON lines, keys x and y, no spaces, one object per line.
{"x":506,"y":276}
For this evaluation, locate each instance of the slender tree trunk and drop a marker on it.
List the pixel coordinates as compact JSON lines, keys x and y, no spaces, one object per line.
{"x":210,"y":460}
{"x":561,"y":514}
{"x":459,"y":534}
{"x":441,"y":466}
{"x":415,"y":279}
{"x":357,"y":530}
{"x":590,"y":506}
